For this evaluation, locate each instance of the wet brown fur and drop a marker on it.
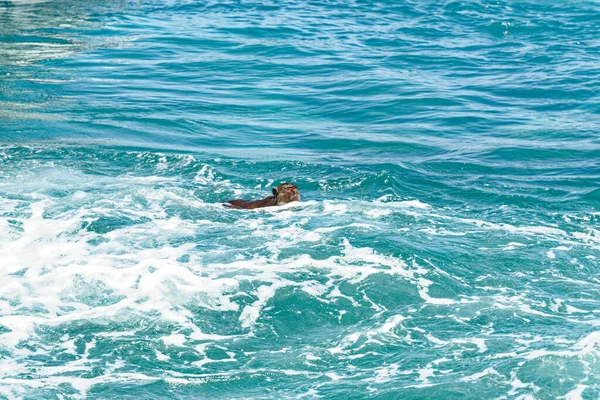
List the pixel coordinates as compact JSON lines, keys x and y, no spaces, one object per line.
{"x":285,"y":193}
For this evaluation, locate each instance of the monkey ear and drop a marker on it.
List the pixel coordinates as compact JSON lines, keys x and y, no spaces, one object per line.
{"x":274,"y":192}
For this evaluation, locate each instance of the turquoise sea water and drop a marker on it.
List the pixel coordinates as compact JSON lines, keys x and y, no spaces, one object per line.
{"x":446,"y":245}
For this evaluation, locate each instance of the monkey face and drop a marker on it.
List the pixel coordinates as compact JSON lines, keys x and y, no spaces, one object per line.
{"x":286,"y":193}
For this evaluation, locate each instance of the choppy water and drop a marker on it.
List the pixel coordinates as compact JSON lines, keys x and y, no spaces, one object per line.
{"x":448,"y":156}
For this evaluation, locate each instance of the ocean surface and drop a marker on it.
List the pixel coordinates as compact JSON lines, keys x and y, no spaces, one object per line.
{"x":446,"y":245}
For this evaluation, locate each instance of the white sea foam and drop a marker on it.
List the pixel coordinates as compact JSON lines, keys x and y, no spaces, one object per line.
{"x":478,"y":342}
{"x":479,"y":375}
{"x":62,"y":267}
{"x":576,"y":394}
{"x":56,"y":253}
